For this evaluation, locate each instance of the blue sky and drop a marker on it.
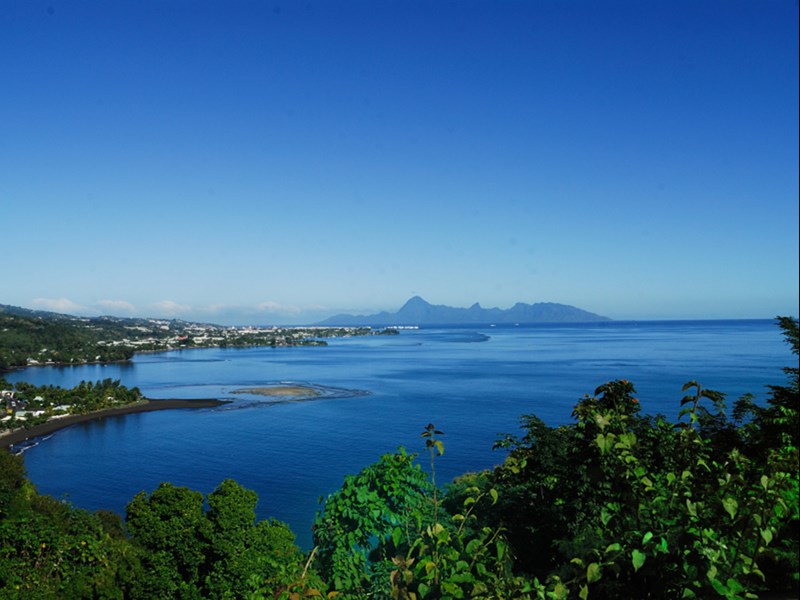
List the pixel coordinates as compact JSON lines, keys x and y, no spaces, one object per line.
{"x":278,"y":162}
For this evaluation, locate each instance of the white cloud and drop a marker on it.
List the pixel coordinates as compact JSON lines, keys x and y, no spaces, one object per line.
{"x":115,"y":307}
{"x":277,"y":308}
{"x":216,"y":308}
{"x":61,"y":305}
{"x":269,"y":312}
{"x":168,"y":308}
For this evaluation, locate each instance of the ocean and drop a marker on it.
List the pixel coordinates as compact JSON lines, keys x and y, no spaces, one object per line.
{"x":472,"y":383}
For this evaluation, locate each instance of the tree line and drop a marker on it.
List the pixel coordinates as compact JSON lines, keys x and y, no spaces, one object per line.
{"x":55,"y":340}
{"x":614,"y":505}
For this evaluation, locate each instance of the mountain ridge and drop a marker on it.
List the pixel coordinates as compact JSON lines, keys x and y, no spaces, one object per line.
{"x":417,"y":311}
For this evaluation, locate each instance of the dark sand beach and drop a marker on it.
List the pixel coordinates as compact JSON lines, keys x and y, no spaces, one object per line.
{"x":20,"y":435}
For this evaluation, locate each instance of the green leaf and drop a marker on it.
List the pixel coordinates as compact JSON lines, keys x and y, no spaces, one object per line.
{"x":766,"y":534}
{"x":731,"y":506}
{"x":691,"y":507}
{"x":397,"y":535}
{"x":734,"y":586}
{"x":493,"y":494}
{"x":501,"y":551}
{"x":637,"y":558}
{"x":592,"y":572}
{"x":719,"y":587}
{"x":688,"y":385}
{"x":647,"y":537}
{"x":584,"y":593}
{"x":602,"y":421}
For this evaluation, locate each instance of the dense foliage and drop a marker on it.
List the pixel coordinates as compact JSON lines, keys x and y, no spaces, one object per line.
{"x":615,"y":505}
{"x":25,"y":339}
{"x":53,"y":401}
{"x":175,"y":548}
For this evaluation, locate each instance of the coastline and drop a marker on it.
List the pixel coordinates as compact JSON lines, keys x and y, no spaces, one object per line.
{"x":17,"y":436}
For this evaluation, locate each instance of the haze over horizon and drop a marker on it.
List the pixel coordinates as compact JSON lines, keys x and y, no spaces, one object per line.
{"x":251,"y":163}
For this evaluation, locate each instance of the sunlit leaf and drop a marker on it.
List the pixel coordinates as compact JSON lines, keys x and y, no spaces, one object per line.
{"x":637,"y":558}
{"x":592,"y":572}
{"x":766,"y":534}
{"x":730,"y":505}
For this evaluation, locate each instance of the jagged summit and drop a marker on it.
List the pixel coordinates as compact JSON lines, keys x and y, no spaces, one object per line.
{"x":417,"y":311}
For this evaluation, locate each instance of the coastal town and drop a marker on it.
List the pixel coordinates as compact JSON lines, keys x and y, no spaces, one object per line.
{"x":161,"y":335}
{"x":33,"y":338}
{"x":36,"y":339}
{"x":24,"y":405}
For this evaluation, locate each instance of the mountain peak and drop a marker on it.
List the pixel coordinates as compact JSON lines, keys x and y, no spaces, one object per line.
{"x":415,"y":301}
{"x":417,"y":311}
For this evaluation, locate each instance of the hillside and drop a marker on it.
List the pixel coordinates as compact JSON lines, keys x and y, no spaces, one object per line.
{"x":29,"y":337}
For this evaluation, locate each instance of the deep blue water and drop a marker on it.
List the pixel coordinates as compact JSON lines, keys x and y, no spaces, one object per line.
{"x":472,"y":383}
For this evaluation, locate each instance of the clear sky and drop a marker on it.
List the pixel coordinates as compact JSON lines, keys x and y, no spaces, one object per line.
{"x":278,"y":162}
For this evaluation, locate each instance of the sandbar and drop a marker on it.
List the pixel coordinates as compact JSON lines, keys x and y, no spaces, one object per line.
{"x":20,"y":435}
{"x":303,"y":391}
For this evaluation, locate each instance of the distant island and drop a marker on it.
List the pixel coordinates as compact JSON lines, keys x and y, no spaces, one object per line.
{"x":419,"y":312}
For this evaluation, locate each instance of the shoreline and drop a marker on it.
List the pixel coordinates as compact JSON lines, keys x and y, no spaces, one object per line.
{"x":18,"y":436}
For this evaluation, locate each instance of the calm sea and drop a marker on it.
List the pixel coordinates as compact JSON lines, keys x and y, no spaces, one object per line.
{"x":472,"y":383}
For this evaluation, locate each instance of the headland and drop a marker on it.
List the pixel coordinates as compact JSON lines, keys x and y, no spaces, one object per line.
{"x":18,"y":436}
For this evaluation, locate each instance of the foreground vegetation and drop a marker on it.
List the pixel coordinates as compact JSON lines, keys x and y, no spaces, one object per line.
{"x":615,"y":505}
